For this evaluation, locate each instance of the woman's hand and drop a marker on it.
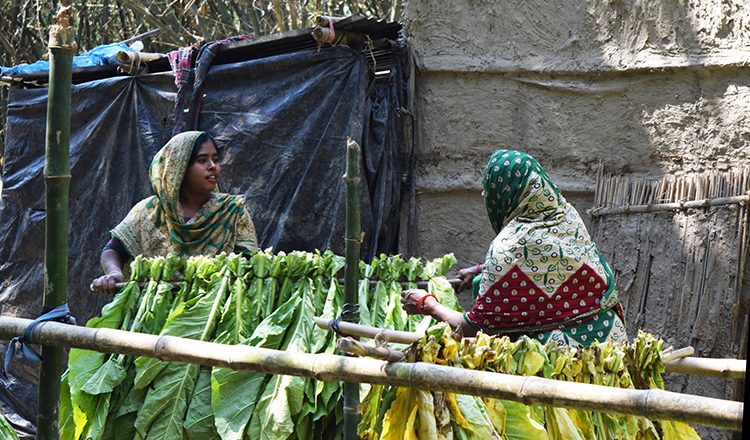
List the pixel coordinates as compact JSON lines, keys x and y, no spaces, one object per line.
{"x":410,"y":300}
{"x":107,"y":283}
{"x":466,"y":276}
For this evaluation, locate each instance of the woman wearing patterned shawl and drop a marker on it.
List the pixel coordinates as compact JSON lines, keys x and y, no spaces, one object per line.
{"x":186,"y":216}
{"x":543,"y":276}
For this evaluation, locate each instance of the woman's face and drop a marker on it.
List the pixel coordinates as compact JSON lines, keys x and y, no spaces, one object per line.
{"x":203,"y":174}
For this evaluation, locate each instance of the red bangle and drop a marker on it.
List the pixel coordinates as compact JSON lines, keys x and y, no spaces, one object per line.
{"x":420,"y":303}
{"x":479,"y":268}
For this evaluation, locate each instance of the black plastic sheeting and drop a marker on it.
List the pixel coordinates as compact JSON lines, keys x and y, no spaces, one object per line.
{"x":282,"y":124}
{"x":384,"y":148}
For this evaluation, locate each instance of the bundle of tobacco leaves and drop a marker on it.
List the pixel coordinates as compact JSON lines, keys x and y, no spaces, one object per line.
{"x":263,"y":299}
{"x":390,"y":413}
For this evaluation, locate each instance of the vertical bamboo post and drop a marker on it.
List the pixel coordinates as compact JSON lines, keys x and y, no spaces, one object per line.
{"x":351,"y":272}
{"x":57,"y":182}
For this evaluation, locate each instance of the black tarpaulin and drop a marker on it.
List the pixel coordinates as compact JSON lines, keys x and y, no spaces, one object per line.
{"x":282,"y":124}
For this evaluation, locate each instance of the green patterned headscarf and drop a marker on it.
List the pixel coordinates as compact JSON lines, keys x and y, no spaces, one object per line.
{"x":168,"y":168}
{"x":507,"y":182}
{"x":543,"y":274}
{"x":156,"y":226}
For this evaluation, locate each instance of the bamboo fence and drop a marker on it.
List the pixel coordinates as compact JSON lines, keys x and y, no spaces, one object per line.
{"x":628,"y":194}
{"x":530,"y":390}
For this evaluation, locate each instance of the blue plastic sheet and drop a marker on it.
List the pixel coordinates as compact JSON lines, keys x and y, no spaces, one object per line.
{"x":98,"y":56}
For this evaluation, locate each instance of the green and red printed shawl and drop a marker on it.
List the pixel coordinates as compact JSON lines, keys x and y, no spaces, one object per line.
{"x":156,"y":226}
{"x":543,"y":276}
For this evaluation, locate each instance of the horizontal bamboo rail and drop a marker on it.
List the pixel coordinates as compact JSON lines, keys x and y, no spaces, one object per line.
{"x":351,"y":346}
{"x":365,"y":331}
{"x":670,"y":354}
{"x":726,"y":368}
{"x":126,"y":57}
{"x":674,"y":362}
{"x":655,"y":404}
{"x":328,"y":36}
{"x":674,"y":206}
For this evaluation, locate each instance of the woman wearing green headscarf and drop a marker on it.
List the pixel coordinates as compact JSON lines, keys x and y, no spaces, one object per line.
{"x":186,"y":216}
{"x":543,"y":276}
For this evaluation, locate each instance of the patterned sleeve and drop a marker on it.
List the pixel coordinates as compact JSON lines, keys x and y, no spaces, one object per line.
{"x":246,"y":239}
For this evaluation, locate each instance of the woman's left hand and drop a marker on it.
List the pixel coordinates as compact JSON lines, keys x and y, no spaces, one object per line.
{"x":410,"y":300}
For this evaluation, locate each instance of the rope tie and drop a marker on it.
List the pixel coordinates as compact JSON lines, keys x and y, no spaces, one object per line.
{"x":349,"y":313}
{"x":132,"y":68}
{"x":58,"y":314}
{"x":332,"y":37}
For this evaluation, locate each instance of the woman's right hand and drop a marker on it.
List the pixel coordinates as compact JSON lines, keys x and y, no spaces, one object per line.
{"x":466,"y":275}
{"x":107,"y":283}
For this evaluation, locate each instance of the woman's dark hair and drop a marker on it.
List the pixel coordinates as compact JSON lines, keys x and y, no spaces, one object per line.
{"x":197,"y":146}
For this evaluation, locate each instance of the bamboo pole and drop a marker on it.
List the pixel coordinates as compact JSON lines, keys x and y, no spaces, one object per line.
{"x":57,"y":184}
{"x":530,"y":390}
{"x":127,"y":57}
{"x":354,"y":238}
{"x":325,"y":20}
{"x":352,"y":346}
{"x":326,"y":35}
{"x":726,"y":368}
{"x":366,"y":331}
{"x":671,"y":354}
{"x":132,"y":62}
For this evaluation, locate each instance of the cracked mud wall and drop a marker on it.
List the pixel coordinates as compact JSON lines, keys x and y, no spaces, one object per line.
{"x":642,"y":88}
{"x":679,"y":276}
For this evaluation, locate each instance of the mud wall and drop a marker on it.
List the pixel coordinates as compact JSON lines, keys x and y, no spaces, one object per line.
{"x":642,"y":88}
{"x":680,"y":276}
{"x":636,"y":87}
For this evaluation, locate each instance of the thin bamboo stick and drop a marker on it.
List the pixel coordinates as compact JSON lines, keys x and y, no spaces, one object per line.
{"x":143,"y":36}
{"x":671,"y":354}
{"x":366,"y":331}
{"x":530,"y":390}
{"x":127,"y":57}
{"x":57,"y":185}
{"x":351,"y":346}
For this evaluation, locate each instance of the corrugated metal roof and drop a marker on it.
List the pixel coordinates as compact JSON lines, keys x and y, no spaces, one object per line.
{"x":261,"y":47}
